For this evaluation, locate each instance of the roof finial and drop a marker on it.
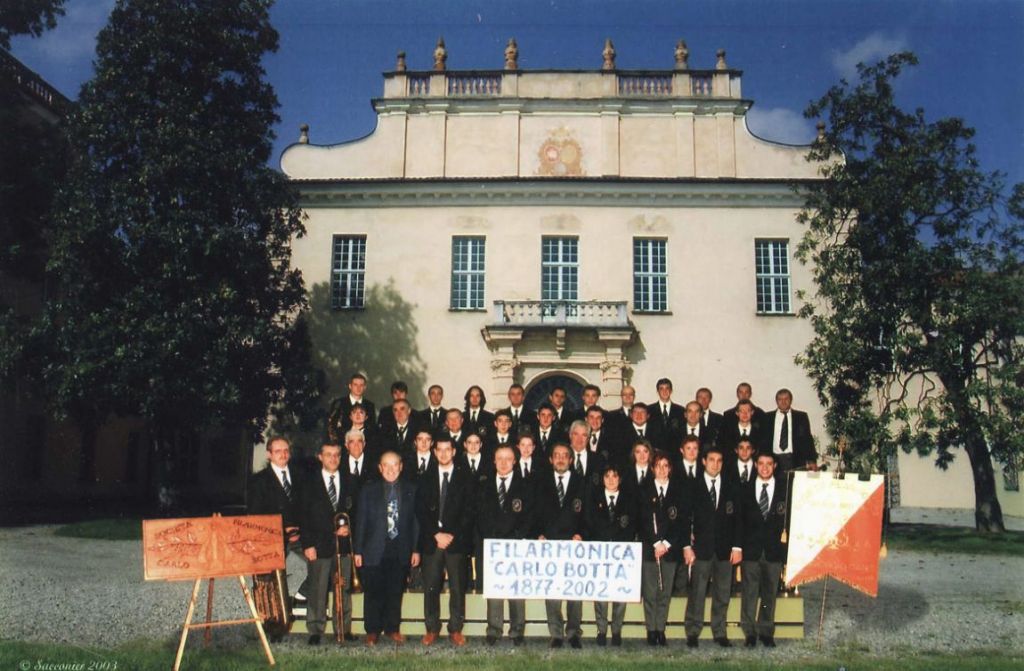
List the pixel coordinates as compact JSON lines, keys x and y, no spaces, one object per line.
{"x":400,"y":65}
{"x":440,"y":55}
{"x":720,"y":65}
{"x":304,"y":134}
{"x":682,"y":56}
{"x":609,"y":55}
{"x":511,"y":55}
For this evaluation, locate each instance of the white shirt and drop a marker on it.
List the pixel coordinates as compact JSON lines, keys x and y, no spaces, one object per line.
{"x":640,"y":429}
{"x":718,"y":487}
{"x":506,"y":478}
{"x":687,"y":465}
{"x":641,"y":473}
{"x":327,"y":478}
{"x":565,"y":479}
{"x":661,"y":487}
{"x":354,"y":463}
{"x":693,"y":430}
{"x":441,"y":473}
{"x":777,"y":433}
{"x":502,"y":438}
{"x":516,"y":412}
{"x":595,"y":437}
{"x":422,"y":459}
{"x":581,"y":458}
{"x":750,"y":468}
{"x":746,"y":430}
{"x":474,"y":461}
{"x":526,"y":464}
{"x":353,"y":400}
{"x":278,"y":472}
{"x":608,"y":497}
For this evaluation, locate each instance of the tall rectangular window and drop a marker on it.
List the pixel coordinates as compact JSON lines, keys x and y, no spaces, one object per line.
{"x":348,"y":272}
{"x":771,"y":266}
{"x":650,"y":275}
{"x":467,"y":273}
{"x":559,"y":268}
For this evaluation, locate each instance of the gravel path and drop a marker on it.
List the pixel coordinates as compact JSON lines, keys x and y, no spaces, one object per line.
{"x":91,"y":593}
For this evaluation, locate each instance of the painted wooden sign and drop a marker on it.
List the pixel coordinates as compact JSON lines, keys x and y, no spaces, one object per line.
{"x":212,"y":547}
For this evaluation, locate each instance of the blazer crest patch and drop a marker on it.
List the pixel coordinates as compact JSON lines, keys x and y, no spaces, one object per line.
{"x":624,"y":521}
{"x":728,"y":508}
{"x":577,"y":505}
{"x":672,"y":512}
{"x":517,"y":505}
{"x":780,"y":508}
{"x":348,"y":503}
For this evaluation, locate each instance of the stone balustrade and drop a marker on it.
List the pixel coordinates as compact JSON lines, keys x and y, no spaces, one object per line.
{"x":561,"y":313}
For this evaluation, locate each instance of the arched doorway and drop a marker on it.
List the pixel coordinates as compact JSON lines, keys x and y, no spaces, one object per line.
{"x":539,"y":391}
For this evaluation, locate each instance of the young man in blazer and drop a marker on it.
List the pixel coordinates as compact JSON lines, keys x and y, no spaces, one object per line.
{"x":504,"y":509}
{"x":787,"y":434}
{"x":444,"y":498}
{"x":764,"y":552}
{"x":716,"y":548}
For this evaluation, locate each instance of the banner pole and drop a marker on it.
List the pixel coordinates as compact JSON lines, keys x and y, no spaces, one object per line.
{"x":821,"y":619}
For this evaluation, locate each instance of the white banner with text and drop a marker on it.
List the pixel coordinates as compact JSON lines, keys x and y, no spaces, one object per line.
{"x":564,"y":570}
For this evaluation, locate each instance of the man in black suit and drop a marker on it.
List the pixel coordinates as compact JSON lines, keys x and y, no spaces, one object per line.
{"x":744,"y":392}
{"x":709,"y":419}
{"x":602,"y":441}
{"x":640,"y":427}
{"x":590,"y":397}
{"x":444,"y":508}
{"x":504,"y":509}
{"x":717,"y":547}
{"x":666,"y":414}
{"x":744,"y":468}
{"x":586,"y":465}
{"x":692,"y":426}
{"x":548,"y":431}
{"x":641,"y":469}
{"x":386,"y":417}
{"x":501,"y":434}
{"x":688,"y":467}
{"x":559,"y":516}
{"x":618,"y":421}
{"x":741,"y":425}
{"x":764,"y":552}
{"x":787,"y":434}
{"x":478,"y":465}
{"x":477,"y":419}
{"x":454,"y":428}
{"x":400,"y":433}
{"x":328,"y":493}
{"x":338,"y":417}
{"x":386,"y":531}
{"x":359,"y":466}
{"x":276,"y":490}
{"x":563,"y":415}
{"x":433,"y":415}
{"x":421,"y":459}
{"x":523,"y":419}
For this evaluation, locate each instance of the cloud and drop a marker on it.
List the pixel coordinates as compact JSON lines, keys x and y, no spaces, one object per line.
{"x":780,"y":124}
{"x":74,"y":38}
{"x":871,"y":49}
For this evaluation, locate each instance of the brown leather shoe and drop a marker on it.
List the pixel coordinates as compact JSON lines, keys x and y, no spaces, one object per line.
{"x":371,"y":640}
{"x":457,"y":638}
{"x":429,"y":638}
{"x":397,"y":637}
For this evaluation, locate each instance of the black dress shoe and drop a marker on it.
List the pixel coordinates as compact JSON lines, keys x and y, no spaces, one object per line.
{"x":518,"y":640}
{"x":750,"y":642}
{"x":602,"y":640}
{"x":575,"y":643}
{"x":349,"y":636}
{"x":314,"y":639}
{"x":723,"y":641}
{"x":616,"y":640}
{"x":768,"y":641}
{"x":555,"y":643}
{"x":662,"y":641}
{"x":652,"y":638}
{"x":491,"y":640}
{"x":691,"y":642}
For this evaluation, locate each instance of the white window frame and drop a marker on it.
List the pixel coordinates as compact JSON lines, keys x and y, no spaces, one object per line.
{"x":468,"y":280}
{"x":773,"y":283}
{"x":348,"y":272}
{"x":563,"y":269}
{"x":650,"y":275}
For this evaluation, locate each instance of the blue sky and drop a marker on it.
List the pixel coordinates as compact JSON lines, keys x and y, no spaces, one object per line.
{"x":332,"y":53}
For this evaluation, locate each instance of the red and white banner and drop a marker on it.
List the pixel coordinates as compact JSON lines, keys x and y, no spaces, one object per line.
{"x":835,"y":529}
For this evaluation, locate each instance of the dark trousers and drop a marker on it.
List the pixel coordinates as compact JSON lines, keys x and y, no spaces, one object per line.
{"x":496,"y":616}
{"x":434,"y":566}
{"x":601,"y":616}
{"x":760,"y":580}
{"x":657,"y":601}
{"x":719,"y":573}
{"x":383,"y":586}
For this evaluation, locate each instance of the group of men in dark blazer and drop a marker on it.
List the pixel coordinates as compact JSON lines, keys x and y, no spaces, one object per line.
{"x":443,"y":479}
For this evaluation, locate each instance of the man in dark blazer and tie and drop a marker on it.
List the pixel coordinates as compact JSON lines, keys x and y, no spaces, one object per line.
{"x":338,"y":419}
{"x":641,"y":427}
{"x":523,"y":419}
{"x":585,"y":464}
{"x":386,"y":532}
{"x":433,"y":415}
{"x":444,"y":508}
{"x":667,"y":415}
{"x":400,"y":433}
{"x":717,"y":547}
{"x":709,"y":419}
{"x":602,"y":441}
{"x":560,"y":497}
{"x":548,"y":430}
{"x":741,"y":425}
{"x":277,"y":490}
{"x":504,"y":509}
{"x":328,"y":492}
{"x":787,"y":434}
{"x":764,"y":552}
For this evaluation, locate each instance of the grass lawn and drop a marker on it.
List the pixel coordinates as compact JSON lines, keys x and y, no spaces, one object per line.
{"x":143,"y":656}
{"x":928,"y":538}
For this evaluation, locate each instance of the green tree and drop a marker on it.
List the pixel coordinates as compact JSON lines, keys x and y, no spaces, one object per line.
{"x":918,"y":308}
{"x":28,"y":17}
{"x":176,"y":298}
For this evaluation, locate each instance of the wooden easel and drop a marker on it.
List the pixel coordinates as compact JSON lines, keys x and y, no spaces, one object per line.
{"x":210,"y":623}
